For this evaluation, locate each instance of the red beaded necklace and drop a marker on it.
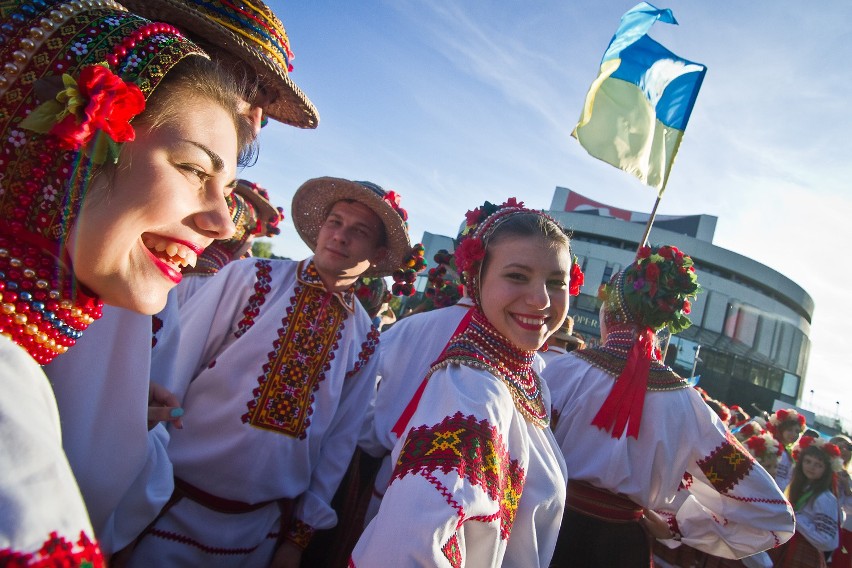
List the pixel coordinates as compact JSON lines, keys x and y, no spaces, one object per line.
{"x":34,"y":313}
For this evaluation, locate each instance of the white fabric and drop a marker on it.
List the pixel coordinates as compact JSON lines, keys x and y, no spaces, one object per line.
{"x":817,"y":521}
{"x":38,"y":494}
{"x":219,"y":453}
{"x":553,"y":351}
{"x":416,"y":517}
{"x":678,"y":431}
{"x":101,"y":387}
{"x":784,"y":473}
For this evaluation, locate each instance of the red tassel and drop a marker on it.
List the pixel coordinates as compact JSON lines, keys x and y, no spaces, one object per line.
{"x":626,"y":400}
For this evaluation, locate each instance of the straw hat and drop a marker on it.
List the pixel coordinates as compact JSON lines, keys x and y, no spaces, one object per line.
{"x":566,"y":331}
{"x":314,"y":199}
{"x":252,"y":34}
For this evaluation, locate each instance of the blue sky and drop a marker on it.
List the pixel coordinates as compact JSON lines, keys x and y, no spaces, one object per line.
{"x":452,"y":102}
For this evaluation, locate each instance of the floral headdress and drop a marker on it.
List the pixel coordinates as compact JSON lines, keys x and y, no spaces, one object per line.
{"x":749,"y":429}
{"x":783,"y":416}
{"x":652,"y":293}
{"x":765,"y":448}
{"x":831,"y":451}
{"x":738,"y":415}
{"x":72,"y":77}
{"x":480,"y":224}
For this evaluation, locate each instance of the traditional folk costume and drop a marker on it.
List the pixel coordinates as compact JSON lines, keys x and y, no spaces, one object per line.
{"x":682,"y":461}
{"x":818,"y":515}
{"x":842,"y":556}
{"x":784,"y":418}
{"x":50,"y":148}
{"x":477,"y":479}
{"x":275,"y":374}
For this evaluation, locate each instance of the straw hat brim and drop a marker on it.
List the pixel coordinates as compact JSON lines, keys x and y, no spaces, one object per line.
{"x":264,"y":210}
{"x":290,"y":105}
{"x":568,"y":338}
{"x":314,"y":199}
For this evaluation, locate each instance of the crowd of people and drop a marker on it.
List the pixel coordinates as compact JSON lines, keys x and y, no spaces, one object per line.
{"x":171,"y":400}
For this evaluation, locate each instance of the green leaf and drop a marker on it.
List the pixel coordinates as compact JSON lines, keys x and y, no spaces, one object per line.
{"x":43,"y":118}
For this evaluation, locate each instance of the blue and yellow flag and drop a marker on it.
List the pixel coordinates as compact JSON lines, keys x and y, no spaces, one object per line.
{"x":638,"y":107}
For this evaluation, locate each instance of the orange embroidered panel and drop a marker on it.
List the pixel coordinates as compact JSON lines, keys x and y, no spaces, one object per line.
{"x":310,"y":332}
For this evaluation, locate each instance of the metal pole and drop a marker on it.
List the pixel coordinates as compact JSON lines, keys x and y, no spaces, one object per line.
{"x":649,"y":224}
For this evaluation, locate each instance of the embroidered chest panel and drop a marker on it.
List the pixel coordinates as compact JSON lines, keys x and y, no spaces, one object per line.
{"x":476,"y":452}
{"x":262,"y":278}
{"x":309,"y":335}
{"x":729,"y":463}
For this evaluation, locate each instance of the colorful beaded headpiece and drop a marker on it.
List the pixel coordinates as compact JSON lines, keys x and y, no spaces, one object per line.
{"x":90,"y":60}
{"x":248,"y":32}
{"x":831,"y":451}
{"x":253,"y":215}
{"x":480,"y":224}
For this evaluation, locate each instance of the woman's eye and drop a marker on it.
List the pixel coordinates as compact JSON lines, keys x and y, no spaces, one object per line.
{"x":195,"y":171}
{"x":558,"y":284}
{"x":517,"y":276}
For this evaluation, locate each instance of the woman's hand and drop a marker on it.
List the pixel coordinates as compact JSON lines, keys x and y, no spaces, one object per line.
{"x":163,"y":406}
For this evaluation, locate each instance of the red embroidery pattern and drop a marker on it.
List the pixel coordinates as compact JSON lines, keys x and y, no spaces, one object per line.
{"x":727,"y":464}
{"x":300,"y":534}
{"x":474,"y":450}
{"x":218,"y":551}
{"x":452,"y":551}
{"x":308,"y":337}
{"x":261,"y":289}
{"x":367,"y":349}
{"x":56,"y":551}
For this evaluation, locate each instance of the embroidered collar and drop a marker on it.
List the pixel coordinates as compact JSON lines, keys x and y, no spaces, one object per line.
{"x":308,"y":275}
{"x":478,"y":344}
{"x":611,"y":357}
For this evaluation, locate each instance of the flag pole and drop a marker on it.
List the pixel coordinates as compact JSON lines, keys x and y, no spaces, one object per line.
{"x":649,"y":224}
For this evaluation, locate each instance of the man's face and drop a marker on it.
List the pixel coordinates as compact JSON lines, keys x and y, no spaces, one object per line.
{"x":350,"y":239}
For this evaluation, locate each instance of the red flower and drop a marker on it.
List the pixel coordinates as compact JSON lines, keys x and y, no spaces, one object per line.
{"x":576,"y":279}
{"x":644,"y":252}
{"x":687,"y":307}
{"x":472,"y":217}
{"x":394,"y":200}
{"x":468,"y":253}
{"x":652,"y":273}
{"x":512,"y":202}
{"x":666,"y":252}
{"x":110,"y":105}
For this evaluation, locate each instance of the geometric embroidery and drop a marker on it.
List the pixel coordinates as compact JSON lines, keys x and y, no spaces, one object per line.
{"x":283,"y":400}
{"x":475,"y":451}
{"x":727,"y":464}
{"x":367,"y":349}
{"x":57,"y":551}
{"x":261,"y":288}
{"x":452,"y":551}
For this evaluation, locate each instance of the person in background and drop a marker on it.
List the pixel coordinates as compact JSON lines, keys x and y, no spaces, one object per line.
{"x":842,"y":556}
{"x":817,"y":513}
{"x":102,"y":114}
{"x":786,"y":425}
{"x":121,"y":465}
{"x":645,"y":454}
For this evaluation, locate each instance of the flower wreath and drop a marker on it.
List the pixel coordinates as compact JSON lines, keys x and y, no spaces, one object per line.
{"x":478,"y":225}
{"x":404,"y":277}
{"x":91,"y":112}
{"x":783,"y":415}
{"x":764,"y":447}
{"x":749,"y":429}
{"x":829,"y":449}
{"x":657,"y":288}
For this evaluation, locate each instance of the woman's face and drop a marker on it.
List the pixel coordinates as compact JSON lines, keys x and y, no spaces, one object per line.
{"x":790,"y":434}
{"x":525,"y":289}
{"x":164,"y":204}
{"x":813,"y":468}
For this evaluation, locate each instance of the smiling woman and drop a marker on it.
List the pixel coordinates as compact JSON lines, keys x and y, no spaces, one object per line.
{"x":101,"y":199}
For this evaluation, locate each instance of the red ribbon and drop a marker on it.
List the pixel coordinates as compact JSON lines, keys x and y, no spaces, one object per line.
{"x":627,"y":398}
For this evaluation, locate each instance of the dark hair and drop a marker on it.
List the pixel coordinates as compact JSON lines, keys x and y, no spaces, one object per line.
{"x":800,"y":482}
{"x":530,"y":224}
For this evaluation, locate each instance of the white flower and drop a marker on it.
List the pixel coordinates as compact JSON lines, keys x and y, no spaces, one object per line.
{"x":80,"y":48}
{"x":17,"y":138}
{"x":49,"y":193}
{"x":133,"y":61}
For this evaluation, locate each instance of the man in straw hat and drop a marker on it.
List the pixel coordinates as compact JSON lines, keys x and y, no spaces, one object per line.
{"x":124,"y":478}
{"x":278,"y":359}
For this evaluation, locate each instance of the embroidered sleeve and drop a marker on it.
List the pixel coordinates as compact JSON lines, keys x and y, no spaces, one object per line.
{"x":729,"y":506}
{"x":818,"y":522}
{"x":367,"y":349}
{"x":452,"y":472}
{"x":300,"y":534}
{"x":57,"y":551}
